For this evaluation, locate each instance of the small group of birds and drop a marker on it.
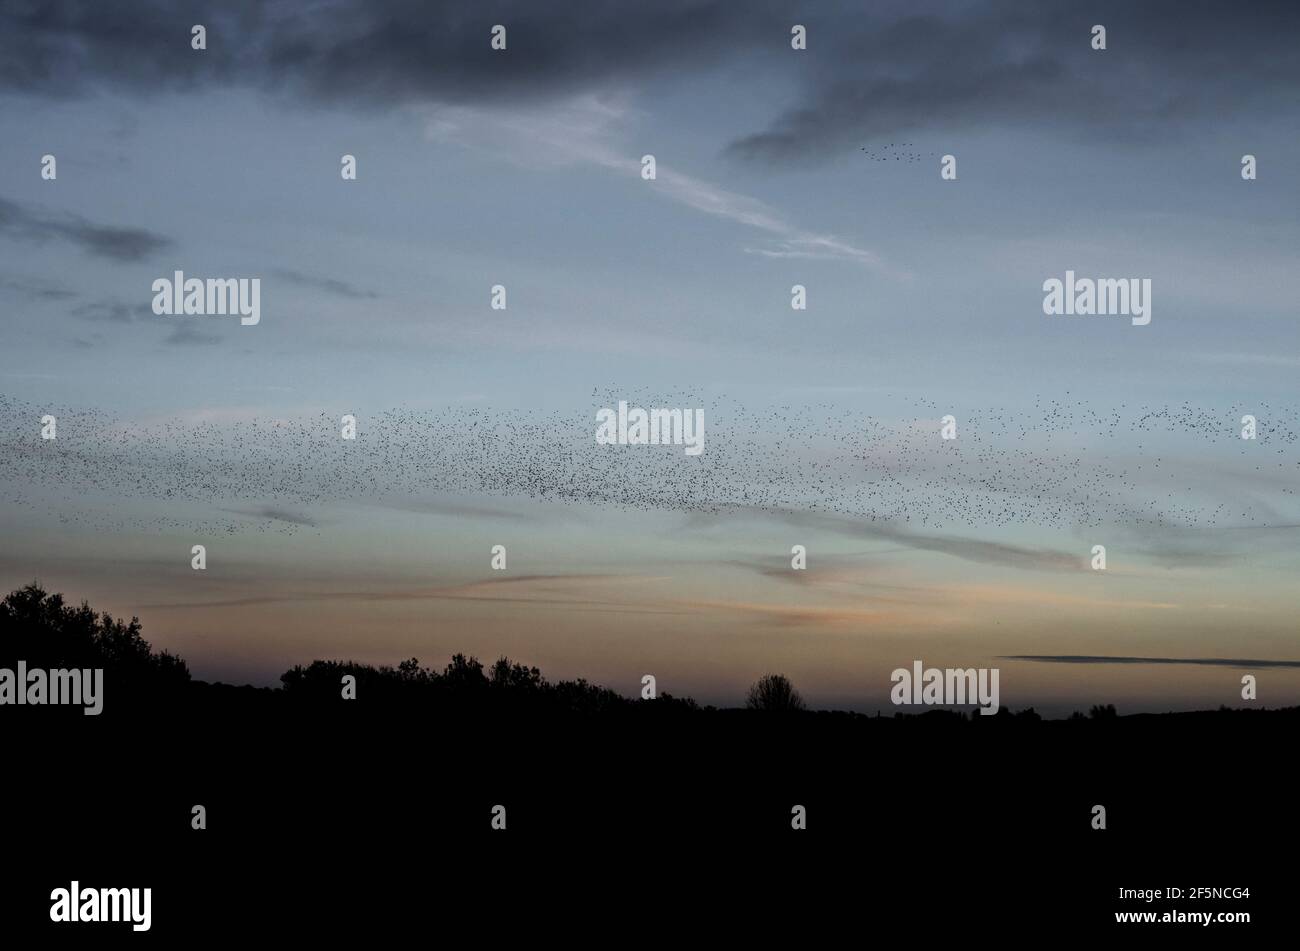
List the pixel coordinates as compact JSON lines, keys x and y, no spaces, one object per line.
{"x":897,"y":152}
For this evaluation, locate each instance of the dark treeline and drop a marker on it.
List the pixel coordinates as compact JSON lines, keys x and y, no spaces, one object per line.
{"x":429,"y":751}
{"x":44,"y":631}
{"x":464,"y":684}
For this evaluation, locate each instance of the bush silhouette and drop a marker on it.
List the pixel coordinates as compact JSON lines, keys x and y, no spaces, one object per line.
{"x":774,"y":692}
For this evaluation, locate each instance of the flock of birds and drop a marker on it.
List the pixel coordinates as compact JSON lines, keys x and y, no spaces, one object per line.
{"x":896,"y":152}
{"x":1057,"y":464}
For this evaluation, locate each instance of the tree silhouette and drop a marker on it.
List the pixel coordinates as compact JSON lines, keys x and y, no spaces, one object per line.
{"x":774,"y":692}
{"x":42,"y":630}
{"x":507,"y":676}
{"x":464,"y":673}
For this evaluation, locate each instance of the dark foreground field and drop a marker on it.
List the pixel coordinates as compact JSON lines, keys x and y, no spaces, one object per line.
{"x":374,"y":816}
{"x":353,"y":818}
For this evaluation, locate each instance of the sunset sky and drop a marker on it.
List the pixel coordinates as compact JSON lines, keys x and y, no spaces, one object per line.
{"x":775,"y":167}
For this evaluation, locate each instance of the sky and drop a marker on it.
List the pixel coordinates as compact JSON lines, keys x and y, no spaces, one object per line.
{"x":774,"y":167}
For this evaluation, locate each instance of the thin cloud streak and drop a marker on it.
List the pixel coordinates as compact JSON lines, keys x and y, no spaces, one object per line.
{"x":1197,"y":661}
{"x":582,"y":130}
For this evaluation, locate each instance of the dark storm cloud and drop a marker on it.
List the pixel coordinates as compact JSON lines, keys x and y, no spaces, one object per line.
{"x":25,"y":223}
{"x":1198,"y":661}
{"x":870,"y":70}
{"x":1167,"y":64}
{"x":369,"y":51}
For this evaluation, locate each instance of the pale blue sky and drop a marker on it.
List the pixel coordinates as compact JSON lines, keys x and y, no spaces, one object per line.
{"x":924,"y":295}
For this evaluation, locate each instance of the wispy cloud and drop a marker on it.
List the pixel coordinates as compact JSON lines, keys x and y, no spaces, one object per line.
{"x":113,"y":311}
{"x":1198,"y":661}
{"x":862,"y":618}
{"x":35,"y":290}
{"x":586,"y":130}
{"x":1246,"y":359}
{"x":453,"y":507}
{"x":968,"y":549}
{"x":186,"y":335}
{"x":25,"y":223}
{"x":327,"y":284}
{"x":569,"y":591}
{"x":275,"y":514}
